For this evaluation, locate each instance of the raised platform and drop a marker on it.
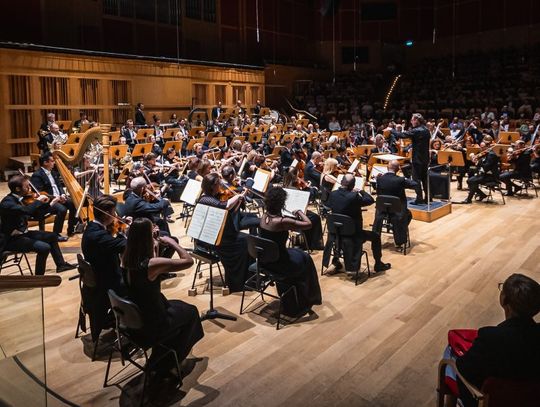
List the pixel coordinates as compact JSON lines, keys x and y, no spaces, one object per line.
{"x":436,"y":210}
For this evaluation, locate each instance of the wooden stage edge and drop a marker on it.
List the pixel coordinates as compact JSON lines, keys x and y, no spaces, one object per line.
{"x":432,"y":214}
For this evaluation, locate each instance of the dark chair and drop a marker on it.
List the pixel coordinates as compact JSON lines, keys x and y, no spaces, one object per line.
{"x":129,"y":329}
{"x":389,"y":206}
{"x":342,"y":227}
{"x":491,"y":187}
{"x":495,"y":392}
{"x":265,"y":251}
{"x":526,"y":183}
{"x":14,"y":259}
{"x":89,"y":304}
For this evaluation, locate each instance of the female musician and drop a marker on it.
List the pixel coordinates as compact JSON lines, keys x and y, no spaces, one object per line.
{"x":328,"y":179}
{"x":172,"y":175}
{"x":294,"y":265}
{"x":192,"y":166}
{"x":175,"y":320}
{"x":291,"y":180}
{"x":232,"y":249}
{"x":89,"y":173}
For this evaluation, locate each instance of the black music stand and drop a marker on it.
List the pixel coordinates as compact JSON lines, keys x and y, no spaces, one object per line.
{"x":450,"y":159}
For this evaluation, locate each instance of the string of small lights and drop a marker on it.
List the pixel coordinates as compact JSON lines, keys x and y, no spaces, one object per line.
{"x":389,"y":93}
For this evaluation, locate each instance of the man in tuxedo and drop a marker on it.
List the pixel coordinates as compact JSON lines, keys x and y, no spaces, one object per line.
{"x":394,"y":185}
{"x":286,"y":156}
{"x":216,"y":111}
{"x":14,"y":216}
{"x":311,"y":173}
{"x":47,"y":179}
{"x":128,"y":131}
{"x":522,"y":169}
{"x":140,"y":120}
{"x":510,"y":349}
{"x":348,"y":201}
{"x":420,"y":136}
{"x":488,"y":171}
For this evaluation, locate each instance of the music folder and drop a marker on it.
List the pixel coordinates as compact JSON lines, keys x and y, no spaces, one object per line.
{"x":261,"y":180}
{"x":296,"y":200}
{"x":358,"y":182}
{"x":207,"y":224}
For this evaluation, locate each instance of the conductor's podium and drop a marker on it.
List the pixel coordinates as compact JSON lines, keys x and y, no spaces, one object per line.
{"x":431,"y":212}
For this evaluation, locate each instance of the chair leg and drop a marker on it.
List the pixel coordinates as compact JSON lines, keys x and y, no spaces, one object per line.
{"x":28,"y":264}
{"x":105,"y":384}
{"x":95,"y":349}
{"x":195,"y":274}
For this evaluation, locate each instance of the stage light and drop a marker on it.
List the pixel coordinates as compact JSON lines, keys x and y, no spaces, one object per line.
{"x":409,"y":43}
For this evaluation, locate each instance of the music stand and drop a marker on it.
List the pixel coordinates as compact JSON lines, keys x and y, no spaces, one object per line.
{"x":114,"y":137}
{"x":311,"y":136}
{"x":199,"y":116}
{"x":118,"y":151}
{"x":170,"y":133}
{"x":449,"y":158}
{"x":142,"y":134}
{"x":303,"y":122}
{"x":508,"y":137}
{"x":277,"y":150}
{"x":194,"y":131}
{"x":255,"y":138}
{"x":330,"y":153}
{"x":192,"y":142}
{"x":141,"y":149}
{"x":265,"y":111}
{"x":177,"y":145}
{"x":223,"y":117}
{"x":500,"y":149}
{"x":218,"y":142}
{"x":472,"y":150}
{"x":364,"y":150}
{"x":73,"y":138}
{"x":288,"y":137}
{"x":240,"y":138}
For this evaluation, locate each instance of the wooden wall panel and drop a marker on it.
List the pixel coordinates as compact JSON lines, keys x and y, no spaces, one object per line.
{"x":33,"y":83}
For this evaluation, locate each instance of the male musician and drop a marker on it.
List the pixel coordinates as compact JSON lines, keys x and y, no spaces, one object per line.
{"x":420,"y":137}
{"x":521,"y":159}
{"x":128,"y":131}
{"x":311,"y":174}
{"x":380,"y":146}
{"x":51,"y":118}
{"x":47,"y":180}
{"x":257,"y":108}
{"x":103,"y":251}
{"x":286,"y":156}
{"x":56,"y":136}
{"x":216,"y":111}
{"x":393,"y":185}
{"x":488,"y":171}
{"x":140,"y":120}
{"x":347,"y":201}
{"x":44,"y":132}
{"x":83,"y":119}
{"x":158,"y":132}
{"x":14,"y":217}
{"x":136,"y":207}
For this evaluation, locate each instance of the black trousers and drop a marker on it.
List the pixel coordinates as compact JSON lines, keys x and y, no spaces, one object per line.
{"x":475,"y":182}
{"x":507,"y":177}
{"x":420,"y":175}
{"x":39,"y":242}
{"x":61,"y":210}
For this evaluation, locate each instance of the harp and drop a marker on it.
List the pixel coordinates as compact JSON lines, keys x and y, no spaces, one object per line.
{"x":63,"y":160}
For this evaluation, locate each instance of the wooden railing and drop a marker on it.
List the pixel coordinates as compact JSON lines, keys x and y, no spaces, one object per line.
{"x":24,"y":282}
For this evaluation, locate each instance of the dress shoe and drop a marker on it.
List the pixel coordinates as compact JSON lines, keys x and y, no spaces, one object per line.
{"x":382,"y":267}
{"x":466,"y":201}
{"x":418,"y":202}
{"x":62,"y":238}
{"x":482,"y":197}
{"x":65,"y":267}
{"x":509,"y":193}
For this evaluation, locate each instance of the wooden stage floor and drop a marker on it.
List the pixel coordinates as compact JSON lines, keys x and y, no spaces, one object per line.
{"x":375,"y":344}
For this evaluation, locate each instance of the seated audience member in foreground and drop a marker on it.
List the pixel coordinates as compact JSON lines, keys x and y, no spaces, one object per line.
{"x":512,"y":348}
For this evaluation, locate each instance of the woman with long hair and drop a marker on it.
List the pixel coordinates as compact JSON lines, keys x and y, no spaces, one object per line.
{"x":174,"y":319}
{"x":294,"y":264}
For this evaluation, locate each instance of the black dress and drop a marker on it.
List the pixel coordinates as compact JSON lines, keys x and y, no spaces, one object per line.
{"x":298,"y":268}
{"x":161,"y":317}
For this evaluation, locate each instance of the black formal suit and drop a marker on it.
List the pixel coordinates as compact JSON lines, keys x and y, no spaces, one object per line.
{"x":522,"y":169}
{"x":41,"y":181}
{"x":509,"y":350}
{"x":286,"y":159}
{"x":216,"y":111}
{"x":14,"y":216}
{"x":488,"y":171}
{"x":130,"y":135}
{"x":311,"y":174}
{"x":350,"y":203}
{"x":140,"y":120}
{"x":420,"y":137}
{"x":393,"y":185}
{"x":137,"y":207}
{"x":103,"y":252}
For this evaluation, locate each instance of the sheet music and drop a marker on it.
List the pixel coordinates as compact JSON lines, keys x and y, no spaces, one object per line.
{"x":294,"y":163}
{"x":358,"y":182}
{"x":376,"y":170}
{"x":241,"y":170}
{"x":353,"y":166}
{"x":197,"y":221}
{"x":191,"y":192}
{"x":212,"y":225}
{"x":260,"y":181}
{"x":296,"y":200}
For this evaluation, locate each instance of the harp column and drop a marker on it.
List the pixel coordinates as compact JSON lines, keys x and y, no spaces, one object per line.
{"x":106,"y":184}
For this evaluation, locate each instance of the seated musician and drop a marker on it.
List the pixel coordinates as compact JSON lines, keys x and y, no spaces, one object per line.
{"x":342,"y":158}
{"x":175,"y":320}
{"x":83,"y":119}
{"x":393,"y":185}
{"x":193,"y":164}
{"x":43,"y":133}
{"x":438,"y":183}
{"x":328,"y":178}
{"x":14,"y":216}
{"x":294,"y":264}
{"x":172,"y":176}
{"x":156,"y":148}
{"x":487,"y":165}
{"x":521,"y":158}
{"x":348,"y":201}
{"x":269,"y":146}
{"x":233,"y":247}
{"x":158,"y":132}
{"x":286,"y":156}
{"x":313,"y":235}
{"x":89,"y":174}
{"x":380,"y":145}
{"x":128,"y":131}
{"x":311,"y":173}
{"x":102,"y":250}
{"x":231,"y":186}
{"x":56,"y":135}
{"x":154,"y":207}
{"x":151,"y":169}
{"x":510,"y":349}
{"x":535,"y":163}
{"x":46,"y":179}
